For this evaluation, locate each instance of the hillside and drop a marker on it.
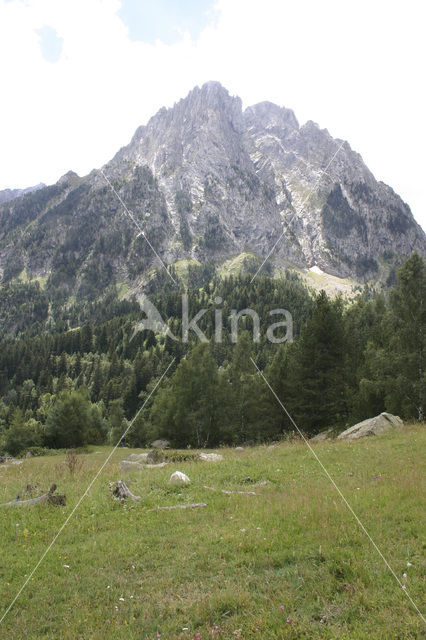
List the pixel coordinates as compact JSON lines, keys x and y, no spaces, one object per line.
{"x":207,"y":182}
{"x":289,"y":562}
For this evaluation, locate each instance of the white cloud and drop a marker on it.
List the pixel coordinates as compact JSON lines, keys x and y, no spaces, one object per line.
{"x":354,"y":67}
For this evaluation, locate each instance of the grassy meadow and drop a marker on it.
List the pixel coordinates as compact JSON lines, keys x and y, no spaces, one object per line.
{"x":288,"y":562}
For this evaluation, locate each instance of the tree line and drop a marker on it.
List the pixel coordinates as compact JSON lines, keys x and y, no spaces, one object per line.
{"x":348,"y":361}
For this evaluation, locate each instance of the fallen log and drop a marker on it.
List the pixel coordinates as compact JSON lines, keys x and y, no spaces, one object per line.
{"x":58,"y":499}
{"x":121,"y":492}
{"x":228,"y":493}
{"x":185,"y":506}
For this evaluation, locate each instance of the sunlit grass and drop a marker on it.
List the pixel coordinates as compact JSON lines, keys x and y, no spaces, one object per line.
{"x":290,"y":562}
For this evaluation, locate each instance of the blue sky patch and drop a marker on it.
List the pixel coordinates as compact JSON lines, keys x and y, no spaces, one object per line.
{"x":151,"y":20}
{"x":50,"y":43}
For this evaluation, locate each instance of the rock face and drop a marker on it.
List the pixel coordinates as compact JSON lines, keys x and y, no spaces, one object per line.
{"x":206,"y":180}
{"x":372,"y":427}
{"x":10,"y":194}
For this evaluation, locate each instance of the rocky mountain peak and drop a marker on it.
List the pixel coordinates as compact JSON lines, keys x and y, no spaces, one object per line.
{"x":208,"y":183}
{"x":270,"y":117}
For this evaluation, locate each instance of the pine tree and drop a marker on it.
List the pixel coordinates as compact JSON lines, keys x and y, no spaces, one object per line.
{"x":187,"y":411}
{"x":407,"y":345}
{"x":243,"y":393}
{"x":319,"y":368}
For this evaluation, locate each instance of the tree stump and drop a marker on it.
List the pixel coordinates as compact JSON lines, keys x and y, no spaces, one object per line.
{"x":122,"y":492}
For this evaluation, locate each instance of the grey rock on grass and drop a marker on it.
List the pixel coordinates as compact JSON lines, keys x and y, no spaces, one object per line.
{"x":372,"y":427}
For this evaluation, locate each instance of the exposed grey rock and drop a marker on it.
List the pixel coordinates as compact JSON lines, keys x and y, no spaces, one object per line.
{"x":323,"y":435}
{"x":160,"y":444}
{"x":206,"y":180}
{"x":372,"y":427}
{"x":138,"y":457}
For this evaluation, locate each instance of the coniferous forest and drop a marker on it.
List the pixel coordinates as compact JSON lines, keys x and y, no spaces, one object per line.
{"x":77,"y":374}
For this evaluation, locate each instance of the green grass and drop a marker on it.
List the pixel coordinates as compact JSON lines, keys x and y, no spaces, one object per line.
{"x":24,"y":278}
{"x":232,"y":564}
{"x":236,"y":265}
{"x":182,"y":268}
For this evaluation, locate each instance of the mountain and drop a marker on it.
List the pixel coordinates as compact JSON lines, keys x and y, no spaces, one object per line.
{"x":11,"y":194}
{"x":208,"y":182}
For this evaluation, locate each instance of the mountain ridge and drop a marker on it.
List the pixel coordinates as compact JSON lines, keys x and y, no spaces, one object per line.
{"x":207,"y":181}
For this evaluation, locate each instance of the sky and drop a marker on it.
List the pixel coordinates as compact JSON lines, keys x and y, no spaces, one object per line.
{"x":79,"y":76}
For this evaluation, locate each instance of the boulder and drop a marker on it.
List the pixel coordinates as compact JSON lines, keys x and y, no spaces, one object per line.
{"x":372,"y":427}
{"x":138,"y":457}
{"x":323,"y":435}
{"x":239,"y":448}
{"x":179,"y":478}
{"x":128,"y":465}
{"x":160,"y":444}
{"x":211,"y":457}
{"x":154,"y":457}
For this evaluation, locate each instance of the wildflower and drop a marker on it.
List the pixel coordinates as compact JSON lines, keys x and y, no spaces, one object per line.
{"x":282,"y":607}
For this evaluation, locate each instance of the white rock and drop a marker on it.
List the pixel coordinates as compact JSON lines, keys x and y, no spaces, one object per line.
{"x":179,"y":478}
{"x":211,"y":457}
{"x":239,"y":448}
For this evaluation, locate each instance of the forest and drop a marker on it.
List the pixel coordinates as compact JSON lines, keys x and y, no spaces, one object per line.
{"x":77,"y":376}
